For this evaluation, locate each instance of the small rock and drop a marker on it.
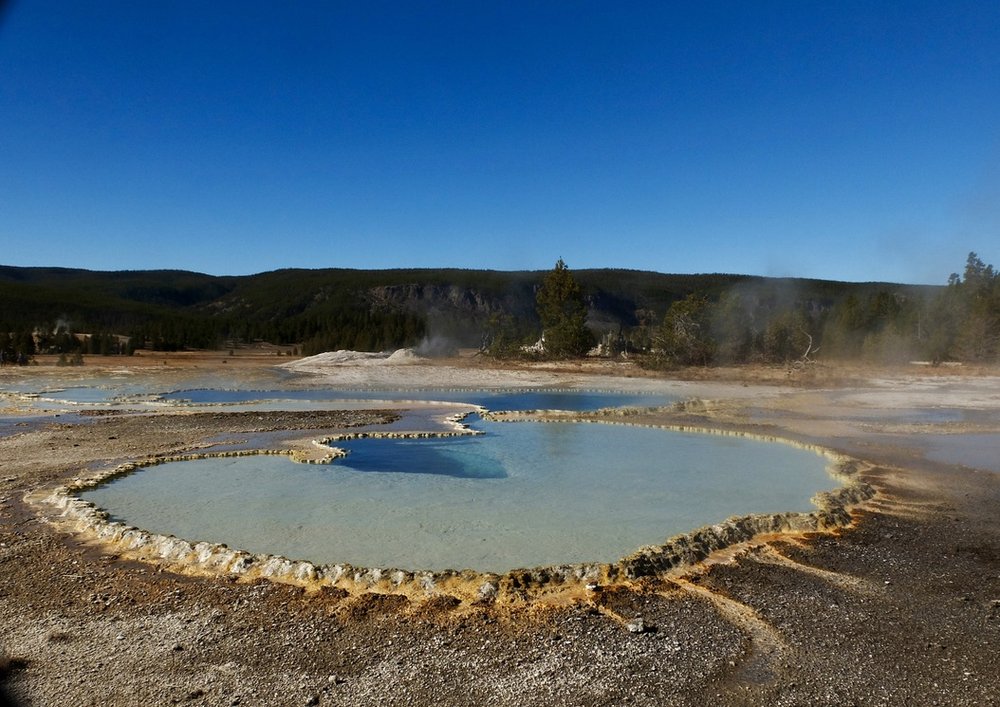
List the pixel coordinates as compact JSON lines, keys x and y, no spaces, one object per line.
{"x":636,"y":625}
{"x":488,"y":591}
{"x":314,"y":700}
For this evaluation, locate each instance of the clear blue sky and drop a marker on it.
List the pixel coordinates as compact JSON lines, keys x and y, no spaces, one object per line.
{"x":837,"y":139}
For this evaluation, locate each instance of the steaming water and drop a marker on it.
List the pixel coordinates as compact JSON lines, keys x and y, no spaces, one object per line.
{"x":519,"y":495}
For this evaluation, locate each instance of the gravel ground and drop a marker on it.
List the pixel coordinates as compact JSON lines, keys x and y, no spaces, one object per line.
{"x":903,"y":608}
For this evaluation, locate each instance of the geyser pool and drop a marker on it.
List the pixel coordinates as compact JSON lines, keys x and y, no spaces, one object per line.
{"x":519,"y":495}
{"x":527,"y":399}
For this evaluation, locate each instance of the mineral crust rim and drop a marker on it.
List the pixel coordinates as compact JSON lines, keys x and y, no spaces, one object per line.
{"x":61,"y":507}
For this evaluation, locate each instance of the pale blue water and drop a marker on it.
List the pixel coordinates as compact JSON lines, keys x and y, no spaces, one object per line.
{"x":578,"y":400}
{"x":84,"y":395}
{"x":521,"y":495}
{"x":108,"y":393}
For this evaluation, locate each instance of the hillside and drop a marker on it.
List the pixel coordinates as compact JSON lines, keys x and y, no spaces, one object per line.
{"x":374,"y":309}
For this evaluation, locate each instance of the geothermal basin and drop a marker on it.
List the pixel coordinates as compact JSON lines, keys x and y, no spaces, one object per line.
{"x":504,"y":496}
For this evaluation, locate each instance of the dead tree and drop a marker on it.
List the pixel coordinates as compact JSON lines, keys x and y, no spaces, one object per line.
{"x":806,"y":358}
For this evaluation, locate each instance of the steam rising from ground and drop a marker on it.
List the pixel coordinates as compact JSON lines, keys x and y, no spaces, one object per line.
{"x":436,"y":346}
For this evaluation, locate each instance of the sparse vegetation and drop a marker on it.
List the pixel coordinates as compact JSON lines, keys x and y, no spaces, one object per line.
{"x":75,"y":359}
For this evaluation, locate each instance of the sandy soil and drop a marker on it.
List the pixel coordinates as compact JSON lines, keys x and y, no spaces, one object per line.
{"x":901,"y":608}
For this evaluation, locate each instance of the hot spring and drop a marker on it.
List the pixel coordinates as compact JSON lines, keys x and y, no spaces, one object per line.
{"x":519,"y":494}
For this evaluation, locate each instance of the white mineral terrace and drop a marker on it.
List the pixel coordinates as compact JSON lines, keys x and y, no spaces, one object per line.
{"x":66,"y":509}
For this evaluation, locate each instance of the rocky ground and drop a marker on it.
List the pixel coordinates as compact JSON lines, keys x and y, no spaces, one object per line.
{"x":901,"y":608}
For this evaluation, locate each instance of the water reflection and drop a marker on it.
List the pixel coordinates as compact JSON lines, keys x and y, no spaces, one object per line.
{"x":522,"y":494}
{"x":463,"y":458}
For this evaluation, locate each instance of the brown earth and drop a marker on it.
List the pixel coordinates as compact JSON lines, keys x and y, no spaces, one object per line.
{"x":901,"y":608}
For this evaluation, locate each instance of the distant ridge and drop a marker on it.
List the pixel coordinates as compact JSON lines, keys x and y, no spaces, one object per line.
{"x":358,"y":309}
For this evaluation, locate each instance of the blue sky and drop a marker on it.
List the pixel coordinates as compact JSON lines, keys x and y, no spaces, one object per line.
{"x":841,"y":140}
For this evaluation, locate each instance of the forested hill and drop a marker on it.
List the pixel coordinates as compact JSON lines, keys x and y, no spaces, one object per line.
{"x":379,"y":309}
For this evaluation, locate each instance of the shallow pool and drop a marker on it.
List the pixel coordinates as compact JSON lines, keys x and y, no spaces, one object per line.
{"x":536,"y":399}
{"x":519,"y":495}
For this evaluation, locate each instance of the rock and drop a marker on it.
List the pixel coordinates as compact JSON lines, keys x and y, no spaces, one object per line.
{"x":488,"y":591}
{"x":636,"y":625}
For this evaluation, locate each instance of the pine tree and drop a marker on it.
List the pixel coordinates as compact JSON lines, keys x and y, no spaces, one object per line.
{"x":563,"y":312}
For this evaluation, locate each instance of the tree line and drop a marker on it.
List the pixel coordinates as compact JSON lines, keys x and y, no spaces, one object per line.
{"x":960,"y":322}
{"x":664,"y":320}
{"x":773,"y":323}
